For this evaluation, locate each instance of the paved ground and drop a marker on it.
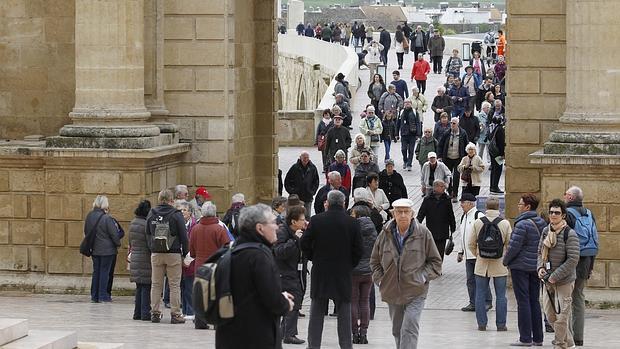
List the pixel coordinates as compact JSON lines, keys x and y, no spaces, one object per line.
{"x":443,"y":324}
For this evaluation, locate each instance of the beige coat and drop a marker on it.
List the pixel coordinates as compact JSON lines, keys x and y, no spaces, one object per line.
{"x":485,"y":266}
{"x":477,"y":169}
{"x":419,"y":104}
{"x":405,"y":276}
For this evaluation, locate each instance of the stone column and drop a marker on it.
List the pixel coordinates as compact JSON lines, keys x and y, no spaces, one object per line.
{"x":109,"y":107}
{"x":591,"y":123}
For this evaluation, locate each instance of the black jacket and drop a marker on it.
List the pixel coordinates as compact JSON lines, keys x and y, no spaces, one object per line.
{"x":442,"y":102}
{"x":439,"y":215}
{"x":321,"y":196}
{"x":288,"y":256}
{"x":303,"y":181}
{"x":408,"y":123}
{"x":375,"y":216}
{"x":259,"y":303}
{"x":369,"y":236}
{"x":333,"y":242}
{"x":177,"y":227}
{"x":424,"y":40}
{"x":444,"y":144}
{"x":385,"y":39}
{"x":500,"y":139}
{"x":393,"y":185}
{"x":471,"y":125}
{"x":337,"y":138}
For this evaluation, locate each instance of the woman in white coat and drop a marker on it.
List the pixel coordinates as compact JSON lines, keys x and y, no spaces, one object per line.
{"x":373,"y":58}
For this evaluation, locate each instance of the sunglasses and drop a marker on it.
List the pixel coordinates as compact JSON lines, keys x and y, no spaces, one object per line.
{"x":555,"y":213}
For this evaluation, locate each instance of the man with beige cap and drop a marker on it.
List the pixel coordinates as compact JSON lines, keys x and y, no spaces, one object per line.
{"x":403,"y":245}
{"x":432,"y":170}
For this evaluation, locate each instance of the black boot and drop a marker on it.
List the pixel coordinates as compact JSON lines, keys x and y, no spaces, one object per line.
{"x":363,"y":339}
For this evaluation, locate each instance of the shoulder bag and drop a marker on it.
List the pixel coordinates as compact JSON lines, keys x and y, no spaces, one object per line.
{"x":87,"y":244}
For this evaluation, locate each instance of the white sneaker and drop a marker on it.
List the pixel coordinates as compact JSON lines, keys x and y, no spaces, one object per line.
{"x":189,"y":317}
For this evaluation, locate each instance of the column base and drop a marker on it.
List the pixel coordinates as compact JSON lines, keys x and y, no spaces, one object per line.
{"x":569,"y":142}
{"x":115,"y":136}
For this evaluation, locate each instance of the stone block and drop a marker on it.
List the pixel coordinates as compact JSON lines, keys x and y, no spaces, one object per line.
{"x":523,"y":180}
{"x":64,"y":261}
{"x":524,"y":81}
{"x":536,"y":107}
{"x":55,"y":234}
{"x":553,"y":29}
{"x":179,"y":28}
{"x":614,"y":274}
{"x":4,"y":232}
{"x":517,"y":156}
{"x":193,"y":104}
{"x":37,"y":259}
{"x":75,"y":233}
{"x":545,"y":55}
{"x":14,"y":258}
{"x":179,"y":79}
{"x":211,"y":28}
{"x":12,"y":8}
{"x":171,"y":177}
{"x":37,"y":206}
{"x":194,"y":53}
{"x":54,"y":181}
{"x":212,"y":175}
{"x":60,"y":29}
{"x":609,"y":245}
{"x":20,"y":206}
{"x":552,"y":187}
{"x":599,"y":275}
{"x":523,"y":132}
{"x":534,"y":7}
{"x":194,"y":7}
{"x":132,"y":183}
{"x":65,"y":207}
{"x":101,"y":182}
{"x":212,"y":79}
{"x":524,"y":28}
{"x":614,"y":218}
{"x":553,"y":81}
{"x":27,"y":180}
{"x":27,"y":232}
{"x":4,"y":181}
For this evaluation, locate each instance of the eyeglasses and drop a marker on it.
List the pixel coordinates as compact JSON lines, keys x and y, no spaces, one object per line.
{"x":453,"y":123}
{"x":555,"y":213}
{"x":427,"y":131}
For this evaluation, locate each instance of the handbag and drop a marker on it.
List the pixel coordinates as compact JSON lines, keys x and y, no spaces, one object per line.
{"x":466,"y":175}
{"x":87,"y":244}
{"x":449,"y":246}
{"x":373,"y":138}
{"x":321,"y":143}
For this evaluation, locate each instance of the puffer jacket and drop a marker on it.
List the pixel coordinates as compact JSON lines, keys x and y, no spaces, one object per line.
{"x":107,"y":239}
{"x":522,"y":252}
{"x":403,"y":276}
{"x":369,"y":236}
{"x":563,"y":257}
{"x":140,"y":261}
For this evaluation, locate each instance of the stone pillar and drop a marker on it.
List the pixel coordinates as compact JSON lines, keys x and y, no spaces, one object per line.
{"x":109,"y":109}
{"x":591,"y":123}
{"x":295,"y":13}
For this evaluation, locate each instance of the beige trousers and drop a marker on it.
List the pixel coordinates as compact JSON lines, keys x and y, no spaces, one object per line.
{"x":168,"y":264}
{"x":554,"y":296}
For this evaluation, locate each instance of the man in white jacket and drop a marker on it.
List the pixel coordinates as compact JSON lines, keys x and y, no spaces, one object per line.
{"x":470,"y":215}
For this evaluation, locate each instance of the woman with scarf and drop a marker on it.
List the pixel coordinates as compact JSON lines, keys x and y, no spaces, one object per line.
{"x":376,"y":89}
{"x":558,"y":254}
{"x":356,"y":151}
{"x":321,"y":132}
{"x":341,"y":166}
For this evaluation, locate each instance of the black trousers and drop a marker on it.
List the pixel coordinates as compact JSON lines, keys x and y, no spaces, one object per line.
{"x":384,"y":55}
{"x":437,"y":68}
{"x":453,"y":188}
{"x":496,"y":173}
{"x":416,"y":51}
{"x":421,"y":84}
{"x":441,"y":246}
{"x":399,"y":56}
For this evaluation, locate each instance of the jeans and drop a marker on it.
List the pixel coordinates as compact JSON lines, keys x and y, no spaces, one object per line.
{"x":384,"y":55}
{"x":388,"y":144}
{"x":453,"y":188}
{"x":457,"y":112}
{"x":360,"y":303}
{"x":561,"y":294}
{"x":399,"y":57}
{"x":101,"y":275}
{"x":168,"y":264}
{"x":142,"y":308}
{"x":315,"y":325}
{"x":406,"y":322}
{"x":407,"y":147}
{"x":187,"y":283}
{"x":526,"y":285}
{"x":372,"y":301}
{"x":421,"y":84}
{"x":437,"y":68}
{"x":496,"y":173}
{"x":501,"y":306}
{"x":470,"y":265}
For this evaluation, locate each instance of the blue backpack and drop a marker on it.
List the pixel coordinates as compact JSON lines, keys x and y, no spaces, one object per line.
{"x":586,"y":231}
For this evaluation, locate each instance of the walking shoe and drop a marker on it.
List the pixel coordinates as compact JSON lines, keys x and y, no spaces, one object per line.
{"x":301,"y":314}
{"x":293,"y":340}
{"x":520,"y":344}
{"x":156,"y":317}
{"x":502,"y":329}
{"x":455,"y":200}
{"x":363,"y":339}
{"x":489,"y":307}
{"x":482,"y":328}
{"x":177,"y":319}
{"x":404,"y":166}
{"x":537,"y":344}
{"x":549,"y":328}
{"x":578,"y":343}
{"x":167,"y":305}
{"x":469,"y":307}
{"x":356,"y":338}
{"x":409,"y":168}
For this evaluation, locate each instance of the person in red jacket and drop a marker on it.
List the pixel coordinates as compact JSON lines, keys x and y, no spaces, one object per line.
{"x":420,"y":71}
{"x":206,"y":238}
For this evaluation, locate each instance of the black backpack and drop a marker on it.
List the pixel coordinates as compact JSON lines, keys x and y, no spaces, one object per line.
{"x":163,"y":238}
{"x":490,"y":241}
{"x":211,"y":294}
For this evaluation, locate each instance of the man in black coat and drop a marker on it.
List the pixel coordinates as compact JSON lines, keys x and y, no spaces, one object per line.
{"x":497,"y":136}
{"x":385,"y":39}
{"x":303,"y":179}
{"x":441,"y":103}
{"x":437,"y":209}
{"x":470,"y":123}
{"x":451,"y":149}
{"x":338,"y":137}
{"x":392,"y":183}
{"x":334,"y":181}
{"x":255,"y":283}
{"x":333,"y":242}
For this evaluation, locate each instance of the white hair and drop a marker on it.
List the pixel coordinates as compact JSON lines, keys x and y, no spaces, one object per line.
{"x":238,"y":198}
{"x":333,"y":175}
{"x":101,"y":201}
{"x":178,"y":204}
{"x":470,"y":146}
{"x":486,"y":104}
{"x":181,"y":188}
{"x":441,"y":88}
{"x":576,"y":192}
{"x":208,"y":209}
{"x":370,"y":108}
{"x":455,"y":119}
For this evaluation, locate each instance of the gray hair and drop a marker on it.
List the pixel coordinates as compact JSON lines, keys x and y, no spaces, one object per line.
{"x":208,"y":209}
{"x":181,"y":188}
{"x":492,"y":203}
{"x":165,"y":196}
{"x":249,"y":216}
{"x":576,"y":192}
{"x":391,"y":86}
{"x":439,"y":182}
{"x":179,"y":204}
{"x":101,"y":201}
{"x":470,"y":146}
{"x":486,"y":105}
{"x":333,"y":174}
{"x":335,"y":198}
{"x":442,"y":89}
{"x":336,"y":108}
{"x":415,"y":89}
{"x":455,"y":119}
{"x":238,"y":198}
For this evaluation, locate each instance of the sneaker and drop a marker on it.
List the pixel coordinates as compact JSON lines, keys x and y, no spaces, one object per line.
{"x":482,"y":328}
{"x":520,"y":344}
{"x":502,"y":329}
{"x":156,"y":317}
{"x":293,"y":340}
{"x":455,"y":200}
{"x":404,"y":166}
{"x":578,"y":343}
{"x":356,"y":338}
{"x":469,"y":307}
{"x":177,"y":319}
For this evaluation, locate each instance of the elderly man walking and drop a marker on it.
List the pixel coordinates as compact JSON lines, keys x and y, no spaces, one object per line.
{"x":403,"y":261}
{"x":437,"y":210}
{"x":333,"y":242}
{"x":303,"y":179}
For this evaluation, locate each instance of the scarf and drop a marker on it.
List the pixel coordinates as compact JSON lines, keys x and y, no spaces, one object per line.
{"x":551,"y":239}
{"x":326,"y":121}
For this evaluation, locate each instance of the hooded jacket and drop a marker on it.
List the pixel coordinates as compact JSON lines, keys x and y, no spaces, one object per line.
{"x":522,"y":252}
{"x":177,"y":227}
{"x":369,"y":236}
